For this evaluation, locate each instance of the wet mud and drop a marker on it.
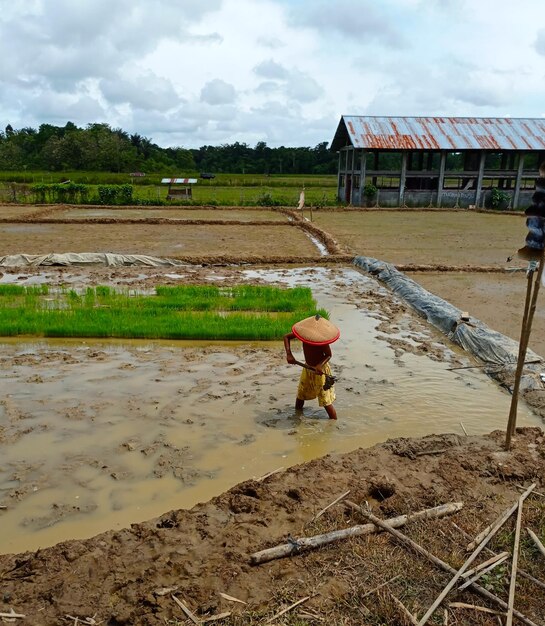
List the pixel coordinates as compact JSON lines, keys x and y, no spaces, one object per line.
{"x":98,"y":435}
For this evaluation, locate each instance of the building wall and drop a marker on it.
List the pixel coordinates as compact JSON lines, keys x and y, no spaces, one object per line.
{"x":423,"y":199}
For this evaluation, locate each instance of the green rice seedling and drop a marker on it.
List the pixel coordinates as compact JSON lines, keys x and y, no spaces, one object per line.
{"x":185,"y":312}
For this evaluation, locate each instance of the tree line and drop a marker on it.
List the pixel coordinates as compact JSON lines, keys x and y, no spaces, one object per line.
{"x":98,"y":147}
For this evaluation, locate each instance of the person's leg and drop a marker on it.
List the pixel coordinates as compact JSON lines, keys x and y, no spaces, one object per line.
{"x":330,"y":409}
{"x":299,"y":404}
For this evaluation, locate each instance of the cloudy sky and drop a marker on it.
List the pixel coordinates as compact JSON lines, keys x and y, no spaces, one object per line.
{"x":194,"y":72}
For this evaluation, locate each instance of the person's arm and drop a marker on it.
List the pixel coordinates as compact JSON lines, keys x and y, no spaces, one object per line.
{"x":327,"y":357}
{"x":287,"y":346}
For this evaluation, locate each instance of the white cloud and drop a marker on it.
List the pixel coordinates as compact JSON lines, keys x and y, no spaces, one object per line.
{"x":217,"y":91}
{"x":193,"y":73}
{"x":540,"y":42}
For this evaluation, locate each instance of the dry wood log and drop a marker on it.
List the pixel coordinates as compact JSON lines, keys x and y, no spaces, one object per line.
{"x":521,"y":572}
{"x":500,"y":521}
{"x":536,"y":540}
{"x":495,"y":527}
{"x":445,"y":566}
{"x":514,"y":564}
{"x":320,"y":513}
{"x":289,"y":608}
{"x":3,"y":507}
{"x":302,"y":543}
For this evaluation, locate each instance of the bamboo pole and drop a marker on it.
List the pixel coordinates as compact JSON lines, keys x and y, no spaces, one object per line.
{"x":441,"y":564}
{"x":495,"y":527}
{"x":526,"y":329}
{"x":501,"y":519}
{"x":285,"y":549}
{"x":522,"y":572}
{"x":514,"y":563}
{"x":536,"y":540}
{"x":483,"y":571}
{"x":320,"y":513}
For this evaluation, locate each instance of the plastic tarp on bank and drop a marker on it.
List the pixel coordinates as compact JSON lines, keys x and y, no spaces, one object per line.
{"x":486,"y":344}
{"x":84,"y":258}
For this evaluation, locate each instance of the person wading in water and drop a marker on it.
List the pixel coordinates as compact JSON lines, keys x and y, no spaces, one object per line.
{"x":316,"y":333}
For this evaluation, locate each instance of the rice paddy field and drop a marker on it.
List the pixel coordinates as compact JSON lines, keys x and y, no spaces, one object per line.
{"x":183,"y":312}
{"x":131,"y":392}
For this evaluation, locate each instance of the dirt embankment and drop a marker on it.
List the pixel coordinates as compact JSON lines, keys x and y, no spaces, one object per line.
{"x":129,"y":577}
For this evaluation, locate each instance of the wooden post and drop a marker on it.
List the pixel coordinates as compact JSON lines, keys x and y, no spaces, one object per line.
{"x":441,"y":181}
{"x":526,"y":329}
{"x":363,"y":167}
{"x":402,"y":178}
{"x":518,"y":180}
{"x":480,"y":177}
{"x":339,"y":177}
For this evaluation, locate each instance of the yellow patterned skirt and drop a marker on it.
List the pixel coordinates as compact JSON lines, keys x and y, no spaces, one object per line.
{"x":311,"y":386}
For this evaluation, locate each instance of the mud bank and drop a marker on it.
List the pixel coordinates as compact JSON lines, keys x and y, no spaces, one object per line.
{"x":129,"y":577}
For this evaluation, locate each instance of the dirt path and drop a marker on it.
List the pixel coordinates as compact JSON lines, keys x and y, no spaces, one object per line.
{"x":129,"y":576}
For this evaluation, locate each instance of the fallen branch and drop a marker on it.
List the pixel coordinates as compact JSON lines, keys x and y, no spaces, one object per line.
{"x":484,"y":571}
{"x":12,"y":614}
{"x":514,"y":563}
{"x":500,"y":521}
{"x":215,"y":618}
{"x":536,"y":540}
{"x":441,"y":564}
{"x":380,"y":586}
{"x":3,"y":507}
{"x":405,"y":610}
{"x":231,"y":598}
{"x":496,"y":557}
{"x":289,"y":608}
{"x":534,"y":493}
{"x":522,"y":572}
{"x":296,"y":545}
{"x":463,"y":428}
{"x":184,"y":608}
{"x":482,"y":544}
{"x":482,"y":609}
{"x":320,"y":513}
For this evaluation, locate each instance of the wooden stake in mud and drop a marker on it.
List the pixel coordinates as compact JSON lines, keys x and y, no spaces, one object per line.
{"x":527,"y":319}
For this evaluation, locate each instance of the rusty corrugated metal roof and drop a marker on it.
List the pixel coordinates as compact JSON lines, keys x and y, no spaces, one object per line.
{"x":440,"y":133}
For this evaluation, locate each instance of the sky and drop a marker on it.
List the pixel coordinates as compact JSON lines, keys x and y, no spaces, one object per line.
{"x":190,"y":73}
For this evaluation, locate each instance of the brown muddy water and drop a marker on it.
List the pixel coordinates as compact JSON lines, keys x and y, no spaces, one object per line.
{"x":96,"y":435}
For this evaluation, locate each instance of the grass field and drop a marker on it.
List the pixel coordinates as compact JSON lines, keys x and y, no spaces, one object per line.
{"x":224,"y":189}
{"x":186,"y":312}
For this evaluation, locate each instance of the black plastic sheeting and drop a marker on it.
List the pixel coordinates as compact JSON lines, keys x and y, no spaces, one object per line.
{"x":474,"y":336}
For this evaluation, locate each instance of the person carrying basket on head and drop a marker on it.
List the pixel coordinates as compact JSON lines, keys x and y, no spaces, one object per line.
{"x":316,"y":334}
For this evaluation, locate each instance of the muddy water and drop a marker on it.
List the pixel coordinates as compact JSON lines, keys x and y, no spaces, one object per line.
{"x":96,"y":435}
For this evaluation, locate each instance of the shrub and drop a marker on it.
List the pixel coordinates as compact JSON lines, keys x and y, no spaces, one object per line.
{"x":115,"y":194}
{"x":369,"y":191}
{"x":499,"y":199}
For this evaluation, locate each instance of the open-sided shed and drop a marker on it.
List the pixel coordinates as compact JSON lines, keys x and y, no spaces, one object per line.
{"x":438,"y":161}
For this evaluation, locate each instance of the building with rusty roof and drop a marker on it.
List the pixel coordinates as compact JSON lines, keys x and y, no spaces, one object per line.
{"x":438,"y":161}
